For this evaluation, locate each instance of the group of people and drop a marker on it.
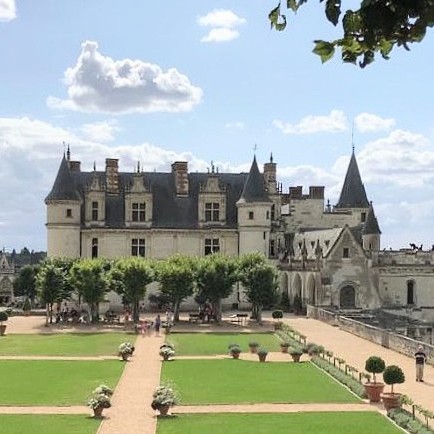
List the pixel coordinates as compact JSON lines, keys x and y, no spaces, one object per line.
{"x":144,"y":327}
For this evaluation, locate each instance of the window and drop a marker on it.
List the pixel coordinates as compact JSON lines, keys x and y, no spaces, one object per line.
{"x":212,"y":245}
{"x":410,"y":292}
{"x":94,"y":211}
{"x":250,"y":215}
{"x":138,"y":212}
{"x":272,"y":248}
{"x":268,"y":215}
{"x":68,"y":212}
{"x":346,"y":252}
{"x":363,"y":217}
{"x":138,"y":247}
{"x":273,"y":212}
{"x":212,"y":211}
{"x":94,"y":247}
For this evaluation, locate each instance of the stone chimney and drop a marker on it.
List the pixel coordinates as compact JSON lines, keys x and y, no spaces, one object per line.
{"x":112,"y":175}
{"x":180,"y":172}
{"x":296,"y":192}
{"x":316,"y":192}
{"x":74,"y":166}
{"x":270,"y":176}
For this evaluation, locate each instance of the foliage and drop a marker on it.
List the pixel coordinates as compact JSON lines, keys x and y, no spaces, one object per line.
{"x":259,"y":279}
{"x":284,"y":302}
{"x":295,"y":352}
{"x":99,"y":400}
{"x":3,"y":317}
{"x":176,"y":276}
{"x":297,"y":304}
{"x":393,"y":375}
{"x":88,"y":276}
{"x":166,"y":351}
{"x":25,"y":283}
{"x":126,"y":349}
{"x":354,"y":385}
{"x":27,"y":306}
{"x":405,"y":420}
{"x":216,"y":275}
{"x":376,"y":27}
{"x":234,"y":349}
{"x":129,"y":277}
{"x":253,"y":344}
{"x":375,"y":365}
{"x":285,"y":344}
{"x":262,"y":352}
{"x":103,"y":389}
{"x":159,"y":300}
{"x":277,"y":314}
{"x":168,"y":345}
{"x":164,"y":394}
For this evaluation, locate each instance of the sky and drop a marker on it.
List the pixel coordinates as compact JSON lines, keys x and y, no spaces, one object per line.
{"x":207,"y":81}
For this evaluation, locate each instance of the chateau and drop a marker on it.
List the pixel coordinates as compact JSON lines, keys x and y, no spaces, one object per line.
{"x":328,"y":255}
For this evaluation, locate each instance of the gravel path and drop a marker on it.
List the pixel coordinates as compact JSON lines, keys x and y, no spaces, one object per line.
{"x":79,"y":409}
{"x":70,"y":358}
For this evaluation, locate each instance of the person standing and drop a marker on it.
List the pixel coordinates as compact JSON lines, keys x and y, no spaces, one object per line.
{"x":157,"y":323}
{"x":420,"y":358}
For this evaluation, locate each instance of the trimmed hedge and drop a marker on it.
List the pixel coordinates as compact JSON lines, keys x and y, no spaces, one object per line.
{"x":405,"y":420}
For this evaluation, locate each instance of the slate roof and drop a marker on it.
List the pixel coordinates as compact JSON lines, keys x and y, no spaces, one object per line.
{"x":64,"y":187}
{"x":169,"y":211}
{"x":353,"y":194}
{"x":371,"y":224}
{"x":254,"y":188}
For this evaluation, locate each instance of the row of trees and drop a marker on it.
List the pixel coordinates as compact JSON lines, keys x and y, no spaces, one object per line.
{"x":210,"y":278}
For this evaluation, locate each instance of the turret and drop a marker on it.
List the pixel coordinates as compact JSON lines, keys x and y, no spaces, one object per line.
{"x":371,"y":233}
{"x":254,"y":214}
{"x":63,"y":215}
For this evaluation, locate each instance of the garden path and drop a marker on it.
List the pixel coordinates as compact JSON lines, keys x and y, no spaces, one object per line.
{"x":69,"y":358}
{"x":75,"y":409}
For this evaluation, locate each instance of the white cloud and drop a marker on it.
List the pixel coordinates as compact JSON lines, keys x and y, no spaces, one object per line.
{"x":101,"y":131}
{"x":370,"y":123}
{"x":237,"y":125}
{"x":7,"y":10}
{"x":335,"y":122}
{"x":223,"y":23}
{"x":221,"y":34}
{"x":98,"y":83}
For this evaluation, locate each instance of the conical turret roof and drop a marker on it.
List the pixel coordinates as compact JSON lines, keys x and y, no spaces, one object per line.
{"x":64,"y":186}
{"x":353,"y":194}
{"x":254,"y":189}
{"x":371,"y":223}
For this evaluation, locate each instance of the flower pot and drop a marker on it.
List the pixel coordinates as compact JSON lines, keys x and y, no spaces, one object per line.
{"x":125,"y":357}
{"x":284,"y":349}
{"x":262,"y":357}
{"x":236,"y":355}
{"x":374,"y":391}
{"x":2,"y":330}
{"x":296,"y":357}
{"x":163,"y":409}
{"x":391,"y":400}
{"x":165,"y":357}
{"x":254,"y":350}
{"x":97,"y":412}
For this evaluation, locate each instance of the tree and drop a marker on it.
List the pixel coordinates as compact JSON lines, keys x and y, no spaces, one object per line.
{"x":129,"y":277}
{"x":376,"y":27}
{"x":216,"y":276}
{"x":176,"y":276}
{"x":88,"y":276}
{"x":52,"y":287}
{"x":259,"y":279}
{"x":25,"y":283}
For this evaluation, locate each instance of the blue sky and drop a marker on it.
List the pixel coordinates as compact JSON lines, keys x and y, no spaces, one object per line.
{"x":72,"y":71}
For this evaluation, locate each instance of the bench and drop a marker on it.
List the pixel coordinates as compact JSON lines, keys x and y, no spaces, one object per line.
{"x":193,"y":317}
{"x":239,"y":318}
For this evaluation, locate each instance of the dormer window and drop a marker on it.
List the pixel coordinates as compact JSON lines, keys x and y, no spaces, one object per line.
{"x":69,"y":212}
{"x":138,"y":212}
{"x":212,"y":211}
{"x":346,"y":252}
{"x":251,"y":215}
{"x":363,"y":217}
{"x":94,"y":211}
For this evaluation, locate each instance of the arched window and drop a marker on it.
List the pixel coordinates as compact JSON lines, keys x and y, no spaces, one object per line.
{"x":410,"y":292}
{"x":347,"y":297}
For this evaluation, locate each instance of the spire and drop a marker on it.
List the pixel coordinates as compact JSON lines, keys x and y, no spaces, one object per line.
{"x":64,"y":186}
{"x":353,"y":194}
{"x":68,"y":153}
{"x":254,"y":190}
{"x":371,"y":224}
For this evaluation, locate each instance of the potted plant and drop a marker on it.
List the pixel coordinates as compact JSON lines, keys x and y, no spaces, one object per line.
{"x":100,"y":399}
{"x":392,"y":375}
{"x":262,"y":354}
{"x":253,"y":347}
{"x":27,"y":307}
{"x":374,"y":365}
{"x":295,"y":354}
{"x":3,"y":317}
{"x":284,"y":346}
{"x":126,"y":349}
{"x":166,"y":352}
{"x":277,"y":314}
{"x":235,"y":351}
{"x":164,"y":397}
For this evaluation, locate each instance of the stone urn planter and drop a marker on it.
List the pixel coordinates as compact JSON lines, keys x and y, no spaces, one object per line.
{"x":392,"y":375}
{"x":296,"y":355}
{"x":374,"y":391}
{"x":262,"y":355}
{"x":97,"y":412}
{"x":284,"y":347}
{"x":3,"y":318}
{"x":391,"y":400}
{"x":163,"y":409}
{"x":253,"y":346}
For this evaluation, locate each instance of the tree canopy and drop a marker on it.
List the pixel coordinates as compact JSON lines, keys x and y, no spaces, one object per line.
{"x":376,"y":27}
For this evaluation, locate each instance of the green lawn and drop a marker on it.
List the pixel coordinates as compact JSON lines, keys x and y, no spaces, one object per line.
{"x":187,"y":344}
{"x":278,"y":423}
{"x":47,"y":424}
{"x":68,"y":344}
{"x":54,"y":382}
{"x":239,"y":381}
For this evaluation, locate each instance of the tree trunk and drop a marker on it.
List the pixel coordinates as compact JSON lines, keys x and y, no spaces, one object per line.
{"x":136,"y":311}
{"x":217,"y":309}
{"x":176,"y":307}
{"x":254,"y":311}
{"x":259,"y":314}
{"x":93,"y":313}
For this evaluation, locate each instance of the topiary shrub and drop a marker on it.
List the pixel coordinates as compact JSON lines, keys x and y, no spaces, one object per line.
{"x":375,"y":365}
{"x":3,"y":317}
{"x":277,"y":314}
{"x":393,"y":375}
